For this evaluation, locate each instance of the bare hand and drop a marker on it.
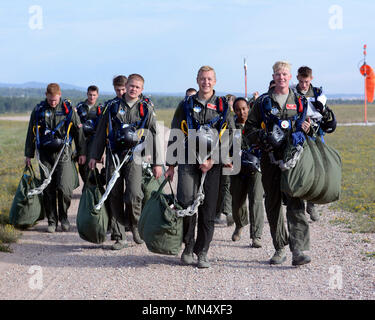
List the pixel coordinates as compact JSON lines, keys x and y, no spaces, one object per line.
{"x":306,"y":125}
{"x":28,"y":162}
{"x":206,"y":165}
{"x":169,"y":173}
{"x":82,"y":160}
{"x":92,"y":164}
{"x":157,"y":171}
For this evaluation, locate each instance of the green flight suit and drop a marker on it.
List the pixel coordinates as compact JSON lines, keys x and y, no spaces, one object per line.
{"x":224,"y":200}
{"x":189,"y":176}
{"x":88,"y":113}
{"x":58,"y":194}
{"x":299,"y":236}
{"x":243,"y":186}
{"x":130,"y":173}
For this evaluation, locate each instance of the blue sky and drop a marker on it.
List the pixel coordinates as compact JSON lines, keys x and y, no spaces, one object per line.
{"x":89,"y":42}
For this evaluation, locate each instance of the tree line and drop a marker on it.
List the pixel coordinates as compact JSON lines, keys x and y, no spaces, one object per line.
{"x":19,"y":100}
{"x":26,"y":104}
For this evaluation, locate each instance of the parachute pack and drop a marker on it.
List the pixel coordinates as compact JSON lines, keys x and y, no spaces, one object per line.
{"x":88,"y":125}
{"x":316,"y":175}
{"x":205,"y":137}
{"x":126,"y":136}
{"x":275,"y":127}
{"x":48,"y":138}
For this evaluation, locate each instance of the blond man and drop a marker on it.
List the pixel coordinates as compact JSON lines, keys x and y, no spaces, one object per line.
{"x":196,"y":112}
{"x":272,"y":110}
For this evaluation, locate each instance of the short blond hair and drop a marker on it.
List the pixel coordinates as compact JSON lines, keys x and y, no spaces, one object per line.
{"x":281,"y":65}
{"x":136,"y":76}
{"x":204,"y":69}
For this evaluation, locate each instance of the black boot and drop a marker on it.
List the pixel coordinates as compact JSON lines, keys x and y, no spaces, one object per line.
{"x":187,"y":256}
{"x":203,"y":260}
{"x":299,"y":258}
{"x":136,"y":237}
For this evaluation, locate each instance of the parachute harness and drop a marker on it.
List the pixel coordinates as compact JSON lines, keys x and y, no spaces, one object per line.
{"x":116,"y":174}
{"x":193,"y":208}
{"x":297,"y":135}
{"x":289,"y":164}
{"x":189,"y":124}
{"x":67,"y":141}
{"x":48,"y":174}
{"x":115,"y":158}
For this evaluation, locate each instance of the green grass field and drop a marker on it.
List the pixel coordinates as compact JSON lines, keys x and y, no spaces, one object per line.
{"x":165,"y":116}
{"x":355,"y":144}
{"x":12,"y":140}
{"x":353,"y":113}
{"x":356,"y":147}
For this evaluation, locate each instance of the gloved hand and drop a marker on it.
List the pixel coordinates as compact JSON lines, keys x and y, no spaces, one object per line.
{"x":319,"y":106}
{"x":263,"y":141}
{"x":320,"y":103}
{"x":329,"y":122}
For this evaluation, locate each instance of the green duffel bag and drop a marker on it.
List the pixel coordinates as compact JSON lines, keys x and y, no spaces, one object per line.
{"x":92,"y":224}
{"x":27,"y":210}
{"x":149,"y":184}
{"x":298,"y":180}
{"x":332,"y":174}
{"x":159,"y":225}
{"x":320,"y":178}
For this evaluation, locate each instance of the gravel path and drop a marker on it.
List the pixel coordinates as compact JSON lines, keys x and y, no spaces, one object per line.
{"x":63,"y":266}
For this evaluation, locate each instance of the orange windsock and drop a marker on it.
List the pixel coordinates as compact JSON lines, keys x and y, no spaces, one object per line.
{"x":369,"y":82}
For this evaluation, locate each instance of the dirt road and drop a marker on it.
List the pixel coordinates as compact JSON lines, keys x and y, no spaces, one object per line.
{"x":63,"y":266}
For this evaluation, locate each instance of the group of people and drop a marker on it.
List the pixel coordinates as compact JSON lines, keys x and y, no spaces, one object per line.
{"x":203,"y":123}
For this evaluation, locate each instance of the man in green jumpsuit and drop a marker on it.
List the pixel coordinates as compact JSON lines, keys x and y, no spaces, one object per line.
{"x":224,"y":201}
{"x":89,"y":112}
{"x":52,"y":121}
{"x":132,"y":111}
{"x":247,"y":184}
{"x":200,"y":110}
{"x":279,"y":105}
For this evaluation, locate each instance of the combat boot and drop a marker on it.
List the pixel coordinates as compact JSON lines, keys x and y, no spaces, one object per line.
{"x":256,"y":243}
{"x":119,"y":245}
{"x":299,"y":258}
{"x":203,"y":260}
{"x":236,"y":236}
{"x":218,"y":218}
{"x":230,"y":220}
{"x":310,"y":209}
{"x":65,"y":225}
{"x":187,"y":257}
{"x":51,"y":228}
{"x":136,"y":237}
{"x":279,"y":257}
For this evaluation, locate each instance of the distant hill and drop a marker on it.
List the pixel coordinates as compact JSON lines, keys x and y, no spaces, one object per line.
{"x":40,"y":85}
